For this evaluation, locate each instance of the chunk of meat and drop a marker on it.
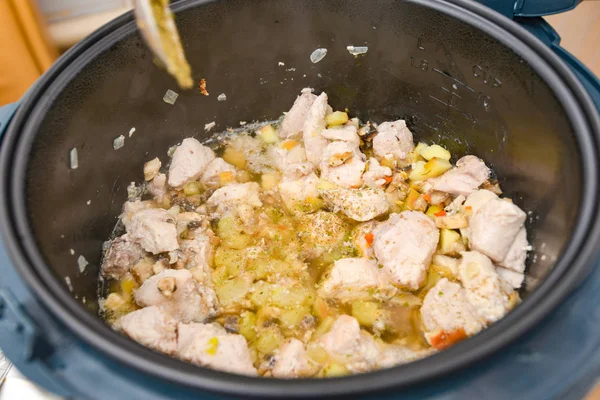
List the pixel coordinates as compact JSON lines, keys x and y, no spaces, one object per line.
{"x":477,"y":199}
{"x":350,"y":346}
{"x":392,"y":355}
{"x":154,"y":229}
{"x":157,"y":187}
{"x":346,"y":133}
{"x":189,"y":162}
{"x":292,"y":361}
{"x":233,"y":196}
{"x":298,"y":194}
{"x":393,"y":140}
{"x":513,"y":279}
{"x":376,"y":175}
{"x":198,"y":253}
{"x":314,"y":142}
{"x":209,"y":345}
{"x":358,"y":204}
{"x":152,"y":328}
{"x":180,"y":298}
{"x":214,"y":170}
{"x":121,"y":255}
{"x":352,"y":279}
{"x":483,"y":288}
{"x":494,"y":227}
{"x":132,"y":207}
{"x":294,"y":120}
{"x":470,"y":172}
{"x":517,"y":253}
{"x":447,"y":315}
{"x":343,"y":164}
{"x":362,"y":238}
{"x":404,"y":245}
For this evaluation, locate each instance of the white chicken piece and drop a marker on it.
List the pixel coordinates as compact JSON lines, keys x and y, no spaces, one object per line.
{"x":350,"y":346}
{"x":494,"y":227}
{"x":157,"y":187}
{"x":314,"y":142}
{"x":513,"y":279}
{"x":483,"y":287}
{"x":214,"y":169}
{"x":122,"y":254}
{"x":293,"y":122}
{"x":362,"y":238}
{"x":517,"y":253}
{"x":343,"y":164}
{"x":176,"y":293}
{"x":150,"y":327}
{"x":447,"y":315}
{"x":154,"y":229}
{"x":189,"y":162}
{"x":292,"y":361}
{"x":345,"y":133}
{"x":209,"y":345}
{"x":393,"y":140}
{"x":232,"y":196}
{"x":353,"y":279}
{"x":477,"y":199}
{"x":404,"y":245}
{"x":296,"y":193}
{"x":291,"y":162}
{"x":376,"y":175}
{"x":358,"y":204}
{"x":470,"y":172}
{"x":392,"y":355}
{"x":132,"y":207}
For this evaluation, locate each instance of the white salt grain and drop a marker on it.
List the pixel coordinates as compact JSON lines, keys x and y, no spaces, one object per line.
{"x":222,"y":97}
{"x":131,"y":132}
{"x":74,"y":158}
{"x":318,"y":55}
{"x":209,"y":126}
{"x":355,"y":51}
{"x":119,"y":142}
{"x":82,"y":262}
{"x":170,"y":97}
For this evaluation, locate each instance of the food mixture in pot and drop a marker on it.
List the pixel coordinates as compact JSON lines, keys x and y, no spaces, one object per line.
{"x":318,"y":246}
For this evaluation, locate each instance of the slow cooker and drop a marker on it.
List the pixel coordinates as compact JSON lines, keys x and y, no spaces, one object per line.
{"x":490,"y":80}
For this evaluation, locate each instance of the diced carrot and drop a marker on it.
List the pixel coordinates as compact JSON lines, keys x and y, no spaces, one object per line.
{"x":444,"y":340}
{"x":289,"y":144}
{"x":369,"y":238}
{"x":468,"y":208}
{"x":440,"y":214}
{"x":427,"y":198}
{"x":388,"y":179}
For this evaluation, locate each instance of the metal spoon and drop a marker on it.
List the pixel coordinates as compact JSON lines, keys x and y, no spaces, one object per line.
{"x":157,"y":25}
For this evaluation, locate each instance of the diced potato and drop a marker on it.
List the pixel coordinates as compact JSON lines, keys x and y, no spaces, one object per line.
{"x":433,"y":276}
{"x":446,"y":265}
{"x":293,"y":318}
{"x":419,"y":173}
{"x":192,"y":188}
{"x":289,"y":144}
{"x":388,"y":162}
{"x":142,"y":270}
{"x":291,"y":297}
{"x":226,"y":177}
{"x":335,"y":369}
{"x":450,"y":242}
{"x":260,"y":294}
{"x":437,"y":166}
{"x":326,"y":185}
{"x":455,"y":221}
{"x":415,"y":155}
{"x":323,"y":327}
{"x":247,"y":325}
{"x":435,"y":151}
{"x":406,"y":300}
{"x":432,"y":210}
{"x":336,"y":118}
{"x":231,"y":235}
{"x":412,"y":197}
{"x":366,"y":312}
{"x":443,"y":270}
{"x":235,"y":157}
{"x":321,"y":308}
{"x":268,"y":339}
{"x":114,"y":301}
{"x":316,"y":353}
{"x":233,"y":291}
{"x":151,"y":168}
{"x":267,"y":134}
{"x":243,"y":176}
{"x":311,"y":204}
{"x":225,"y":257}
{"x":269,"y":181}
{"x":128,"y":285}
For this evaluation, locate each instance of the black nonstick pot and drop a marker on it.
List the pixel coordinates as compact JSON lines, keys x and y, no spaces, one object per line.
{"x":459,"y":74}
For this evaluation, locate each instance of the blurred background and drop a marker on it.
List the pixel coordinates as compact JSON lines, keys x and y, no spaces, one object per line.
{"x":36,"y":32}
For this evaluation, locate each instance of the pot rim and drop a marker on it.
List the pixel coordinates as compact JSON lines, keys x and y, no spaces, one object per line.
{"x":575,"y":260}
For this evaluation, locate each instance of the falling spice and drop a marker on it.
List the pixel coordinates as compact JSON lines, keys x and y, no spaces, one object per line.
{"x":202,"y":87}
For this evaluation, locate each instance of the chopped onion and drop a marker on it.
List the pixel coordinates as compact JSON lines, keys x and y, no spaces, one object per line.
{"x":318,"y":55}
{"x":222,"y":97}
{"x":74,"y":158}
{"x":68,"y":282}
{"x":82,"y":262}
{"x":280,"y":64}
{"x":171,"y":150}
{"x":119,"y":142}
{"x":170,"y":97}
{"x":357,"y":50}
{"x":72,"y":252}
{"x":131,"y":132}
{"x":209,"y":126}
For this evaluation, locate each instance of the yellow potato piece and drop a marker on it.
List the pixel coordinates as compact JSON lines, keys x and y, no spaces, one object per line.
{"x":235,"y":157}
{"x":435,"y":151}
{"x":267,"y":134}
{"x":336,"y":118}
{"x":450,"y":242}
